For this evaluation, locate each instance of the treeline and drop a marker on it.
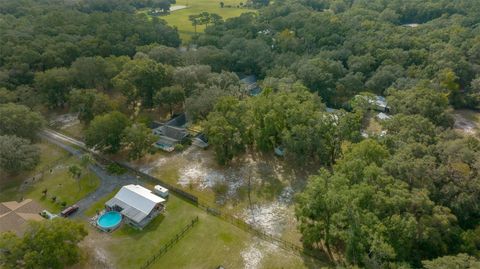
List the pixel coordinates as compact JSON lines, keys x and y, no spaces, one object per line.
{"x":341,"y":48}
{"x":291,"y":121}
{"x":37,"y":36}
{"x":399,"y":199}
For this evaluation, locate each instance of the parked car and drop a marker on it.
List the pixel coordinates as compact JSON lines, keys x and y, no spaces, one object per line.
{"x":69,"y":211}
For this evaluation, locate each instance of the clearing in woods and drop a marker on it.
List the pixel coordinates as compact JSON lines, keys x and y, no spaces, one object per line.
{"x":179,"y":17}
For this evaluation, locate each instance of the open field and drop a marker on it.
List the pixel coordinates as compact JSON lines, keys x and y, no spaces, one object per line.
{"x":50,"y":156}
{"x":258,"y":189}
{"x":210,"y":243}
{"x":179,"y":18}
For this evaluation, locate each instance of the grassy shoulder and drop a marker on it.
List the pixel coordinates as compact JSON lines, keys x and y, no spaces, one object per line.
{"x":179,"y":18}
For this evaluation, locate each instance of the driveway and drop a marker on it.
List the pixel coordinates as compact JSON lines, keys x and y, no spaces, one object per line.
{"x":108,"y":182}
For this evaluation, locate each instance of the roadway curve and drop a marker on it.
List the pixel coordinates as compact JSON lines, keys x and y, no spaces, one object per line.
{"x":108,"y":183}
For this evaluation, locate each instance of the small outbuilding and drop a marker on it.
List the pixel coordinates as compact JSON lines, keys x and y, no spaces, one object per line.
{"x":138,"y":205}
{"x":161,"y":191}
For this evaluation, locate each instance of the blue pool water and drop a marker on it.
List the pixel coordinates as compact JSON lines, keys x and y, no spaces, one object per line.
{"x":109,"y":220}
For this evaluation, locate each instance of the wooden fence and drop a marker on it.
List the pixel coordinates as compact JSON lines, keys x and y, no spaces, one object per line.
{"x":165,"y":248}
{"x":240,"y":223}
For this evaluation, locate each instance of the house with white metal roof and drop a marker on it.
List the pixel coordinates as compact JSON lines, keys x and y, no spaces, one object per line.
{"x":138,"y":205}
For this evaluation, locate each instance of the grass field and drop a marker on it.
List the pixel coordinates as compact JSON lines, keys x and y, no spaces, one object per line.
{"x":63,"y":186}
{"x":180,"y":20}
{"x":51,"y":174}
{"x":50,"y":156}
{"x":210,"y":243}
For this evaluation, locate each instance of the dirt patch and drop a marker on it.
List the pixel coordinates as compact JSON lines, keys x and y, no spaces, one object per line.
{"x":65,"y":120}
{"x":97,"y":256}
{"x":271,"y":218}
{"x":177,"y":7}
{"x":253,"y":255}
{"x":465,"y":125}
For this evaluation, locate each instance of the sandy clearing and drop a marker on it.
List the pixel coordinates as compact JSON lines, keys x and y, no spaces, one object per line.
{"x":464,"y":125}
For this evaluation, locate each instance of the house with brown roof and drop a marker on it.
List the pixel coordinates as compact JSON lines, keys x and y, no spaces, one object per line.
{"x":14,"y":215}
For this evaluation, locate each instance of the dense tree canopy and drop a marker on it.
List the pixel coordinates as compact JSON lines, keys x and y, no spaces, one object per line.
{"x":17,"y":154}
{"x":106,"y":131}
{"x":19,"y":120}
{"x":45,"y":244}
{"x":403,"y":197}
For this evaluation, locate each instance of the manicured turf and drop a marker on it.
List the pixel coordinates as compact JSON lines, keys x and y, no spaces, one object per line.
{"x":179,"y":18}
{"x":210,"y":243}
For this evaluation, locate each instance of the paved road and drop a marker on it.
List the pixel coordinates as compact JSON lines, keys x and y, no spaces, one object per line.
{"x":108,"y":183}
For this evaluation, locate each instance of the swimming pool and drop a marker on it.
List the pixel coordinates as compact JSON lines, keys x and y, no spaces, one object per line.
{"x":109,"y":220}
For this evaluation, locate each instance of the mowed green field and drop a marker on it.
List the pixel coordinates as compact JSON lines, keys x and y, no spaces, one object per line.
{"x":180,"y":20}
{"x":210,"y":243}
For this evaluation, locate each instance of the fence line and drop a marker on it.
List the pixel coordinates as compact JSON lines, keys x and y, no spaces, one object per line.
{"x":165,"y":248}
{"x":240,"y":223}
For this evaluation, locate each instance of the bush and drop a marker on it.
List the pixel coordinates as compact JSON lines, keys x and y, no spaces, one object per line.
{"x":116,"y":169}
{"x":179,"y":147}
{"x":220,"y":189}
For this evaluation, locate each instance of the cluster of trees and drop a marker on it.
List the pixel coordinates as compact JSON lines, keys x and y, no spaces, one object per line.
{"x":400,"y":199}
{"x":397,"y":200}
{"x":46,"y":244}
{"x":205,"y":18}
{"x":18,"y":129}
{"x":113,"y":131}
{"x":340,"y":48}
{"x":292,"y":120}
{"x":63,"y":33}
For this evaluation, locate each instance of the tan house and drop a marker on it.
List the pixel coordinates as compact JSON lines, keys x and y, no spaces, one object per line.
{"x":14,"y":215}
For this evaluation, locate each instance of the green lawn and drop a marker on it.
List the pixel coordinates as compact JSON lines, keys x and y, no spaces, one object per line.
{"x":100,"y":204}
{"x":179,"y":18}
{"x":60,"y":184}
{"x":210,"y":243}
{"x":50,"y":156}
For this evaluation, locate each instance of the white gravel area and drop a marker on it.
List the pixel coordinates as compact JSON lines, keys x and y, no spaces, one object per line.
{"x":177,"y":7}
{"x":464,"y":124}
{"x":254,"y":253}
{"x":273,"y":217}
{"x":65,"y":120}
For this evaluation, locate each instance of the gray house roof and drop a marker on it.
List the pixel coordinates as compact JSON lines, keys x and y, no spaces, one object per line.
{"x":171,"y":133}
{"x":179,"y":121}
